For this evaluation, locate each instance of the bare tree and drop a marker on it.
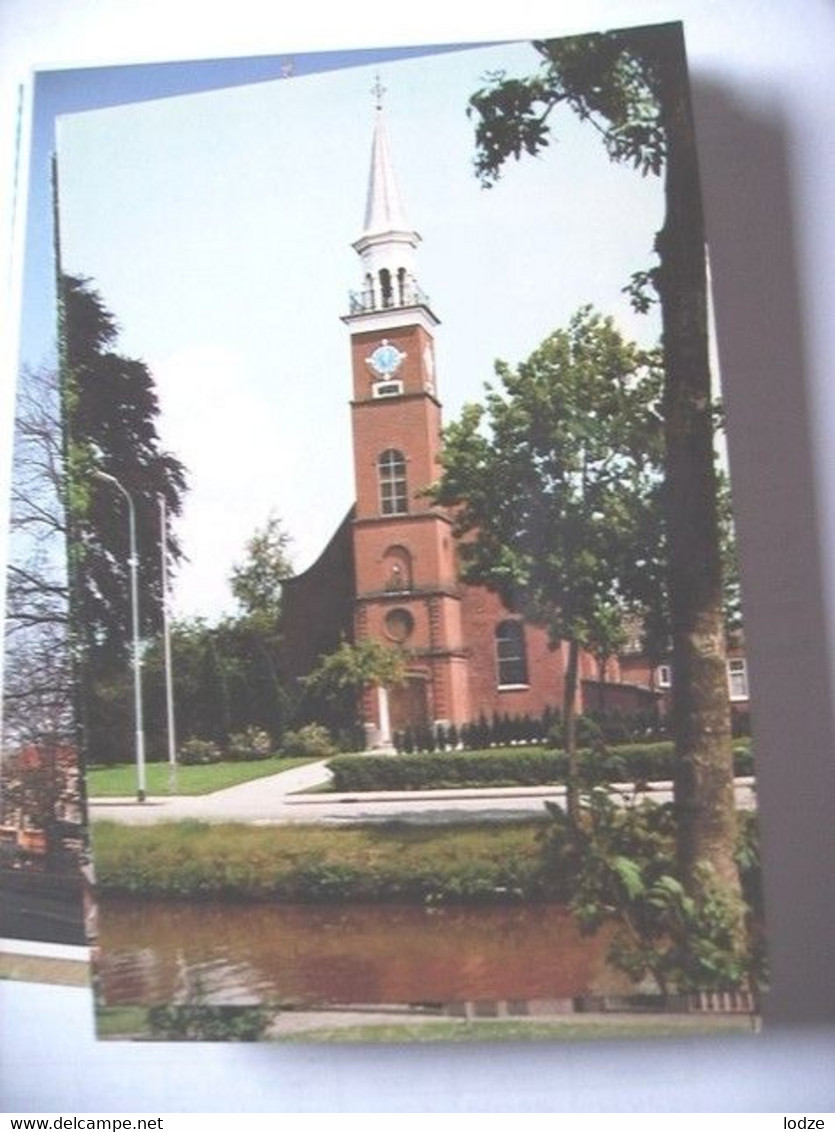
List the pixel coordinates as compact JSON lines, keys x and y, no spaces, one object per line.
{"x":37,"y":693}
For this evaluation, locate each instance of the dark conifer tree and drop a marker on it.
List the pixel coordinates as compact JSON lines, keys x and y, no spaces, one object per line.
{"x":110,"y":414}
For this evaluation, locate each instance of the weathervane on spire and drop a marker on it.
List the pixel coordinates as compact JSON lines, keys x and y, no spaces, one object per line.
{"x":378,"y":90}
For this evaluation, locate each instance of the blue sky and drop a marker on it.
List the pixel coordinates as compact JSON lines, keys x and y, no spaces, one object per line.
{"x":217,"y":227}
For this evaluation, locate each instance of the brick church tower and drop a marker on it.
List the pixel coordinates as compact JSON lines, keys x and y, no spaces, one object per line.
{"x":390,"y":572}
{"x":407,"y":592}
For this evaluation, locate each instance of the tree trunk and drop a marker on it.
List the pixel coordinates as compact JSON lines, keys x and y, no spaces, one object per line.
{"x":569,"y":731}
{"x":704,"y":795}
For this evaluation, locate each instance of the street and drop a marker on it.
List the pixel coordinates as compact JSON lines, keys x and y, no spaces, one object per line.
{"x":42,"y":907}
{"x":277,"y":800}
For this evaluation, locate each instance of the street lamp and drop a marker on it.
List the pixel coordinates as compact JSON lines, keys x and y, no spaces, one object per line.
{"x":133,"y":562}
{"x":166,"y":642}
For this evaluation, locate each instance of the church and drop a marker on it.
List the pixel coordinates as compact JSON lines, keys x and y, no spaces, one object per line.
{"x":390,"y":572}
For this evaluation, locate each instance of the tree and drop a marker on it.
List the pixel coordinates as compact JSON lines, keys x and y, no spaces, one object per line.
{"x":256,"y":582}
{"x":226,"y":674}
{"x":355,"y":668}
{"x":40,"y":783}
{"x":655,"y":598}
{"x":207,"y":685}
{"x":730,"y":562}
{"x":37,"y":693}
{"x":632,"y":87}
{"x":110,"y":413}
{"x":255,"y":637}
{"x":550,"y":498}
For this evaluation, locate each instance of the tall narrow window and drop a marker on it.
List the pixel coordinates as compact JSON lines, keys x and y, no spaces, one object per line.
{"x":738,"y":679}
{"x":511,"y":658}
{"x":401,"y":286}
{"x":386,"y":294}
{"x":391,"y":467}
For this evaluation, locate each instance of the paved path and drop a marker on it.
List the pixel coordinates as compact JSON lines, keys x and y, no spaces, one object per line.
{"x":309,"y":1022}
{"x":276,"y":800}
{"x":262,"y":799}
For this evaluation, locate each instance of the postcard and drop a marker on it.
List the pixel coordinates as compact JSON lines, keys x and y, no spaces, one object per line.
{"x":401,"y":636}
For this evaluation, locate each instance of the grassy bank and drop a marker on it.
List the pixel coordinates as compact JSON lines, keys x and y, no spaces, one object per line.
{"x":120,"y":781}
{"x":326,"y":1027}
{"x":568,"y":1029}
{"x":311,"y":863}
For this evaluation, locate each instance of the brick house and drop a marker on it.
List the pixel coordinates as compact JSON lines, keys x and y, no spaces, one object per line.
{"x":637,"y":669}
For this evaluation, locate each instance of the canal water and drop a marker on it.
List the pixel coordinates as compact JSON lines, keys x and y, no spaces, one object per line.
{"x":155,"y":952}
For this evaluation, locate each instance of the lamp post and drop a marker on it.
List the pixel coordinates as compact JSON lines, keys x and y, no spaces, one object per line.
{"x":133,"y":562}
{"x":166,"y":639}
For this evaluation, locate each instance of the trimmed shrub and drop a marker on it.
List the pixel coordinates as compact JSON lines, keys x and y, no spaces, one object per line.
{"x":516,"y":766}
{"x":648,"y":762}
{"x":425,"y":739}
{"x":198,"y":752}
{"x":249,"y":745}
{"x":478,"y":734}
{"x":610,"y":728}
{"x":311,"y":741}
{"x":195,"y":1021}
{"x":741,"y":724}
{"x":589,"y":732}
{"x":351,"y":738}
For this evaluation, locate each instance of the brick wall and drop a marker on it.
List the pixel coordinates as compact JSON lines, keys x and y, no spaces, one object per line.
{"x":318,"y":605}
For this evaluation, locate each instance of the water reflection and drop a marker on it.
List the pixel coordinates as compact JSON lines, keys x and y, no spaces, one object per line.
{"x":155,"y":951}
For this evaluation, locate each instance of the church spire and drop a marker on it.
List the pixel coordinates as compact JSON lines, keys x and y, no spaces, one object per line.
{"x":388,"y":243}
{"x":384,"y":210}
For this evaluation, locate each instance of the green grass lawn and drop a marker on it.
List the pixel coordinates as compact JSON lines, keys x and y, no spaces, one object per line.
{"x":120,"y":781}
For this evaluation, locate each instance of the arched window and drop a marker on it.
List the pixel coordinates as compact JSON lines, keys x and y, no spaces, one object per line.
{"x":401,"y":286}
{"x":391,"y":468}
{"x":386,"y":295}
{"x":511,"y":658}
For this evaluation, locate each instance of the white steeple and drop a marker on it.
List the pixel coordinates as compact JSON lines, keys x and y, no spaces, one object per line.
{"x":388,"y":243}
{"x":384,"y":210}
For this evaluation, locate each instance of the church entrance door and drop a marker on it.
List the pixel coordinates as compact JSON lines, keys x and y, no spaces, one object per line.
{"x":409,"y":704}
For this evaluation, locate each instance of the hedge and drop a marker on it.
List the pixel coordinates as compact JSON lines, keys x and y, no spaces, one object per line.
{"x":461,"y":768}
{"x":515,"y":766}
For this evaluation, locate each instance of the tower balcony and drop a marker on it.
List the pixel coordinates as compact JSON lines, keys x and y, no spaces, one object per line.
{"x":370,"y":301}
